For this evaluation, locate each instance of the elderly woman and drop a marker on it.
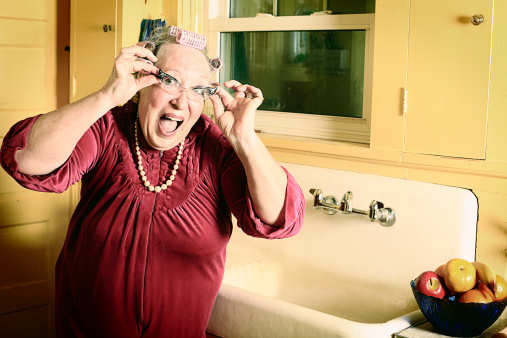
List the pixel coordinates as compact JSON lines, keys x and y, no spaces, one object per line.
{"x":145,"y":249}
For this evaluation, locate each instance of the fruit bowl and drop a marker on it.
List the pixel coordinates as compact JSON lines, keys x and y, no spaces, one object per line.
{"x":457,"y":319}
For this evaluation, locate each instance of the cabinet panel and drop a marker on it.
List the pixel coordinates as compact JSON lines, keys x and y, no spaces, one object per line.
{"x":17,"y":58}
{"x":14,"y":324}
{"x":448,"y":78}
{"x":24,"y":9}
{"x":93,"y":49}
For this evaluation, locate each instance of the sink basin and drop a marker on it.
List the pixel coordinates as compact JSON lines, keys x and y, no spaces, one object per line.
{"x":255,"y":301}
{"x":343,"y":275}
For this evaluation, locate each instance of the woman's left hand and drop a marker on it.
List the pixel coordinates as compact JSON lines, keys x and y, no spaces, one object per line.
{"x":235,"y":115}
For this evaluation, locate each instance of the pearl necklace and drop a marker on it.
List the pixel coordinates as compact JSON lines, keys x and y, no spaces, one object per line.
{"x":142,"y":172}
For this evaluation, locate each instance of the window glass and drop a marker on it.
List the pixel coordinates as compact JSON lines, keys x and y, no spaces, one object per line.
{"x":243,"y":9}
{"x":311,"y":72}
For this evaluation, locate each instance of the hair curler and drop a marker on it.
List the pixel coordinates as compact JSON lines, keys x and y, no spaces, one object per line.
{"x":147,"y":44}
{"x":194,"y":40}
{"x":215,"y":64}
{"x":188,"y":38}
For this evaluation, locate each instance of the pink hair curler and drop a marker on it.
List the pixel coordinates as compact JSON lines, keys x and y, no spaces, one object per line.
{"x":194,"y":40}
{"x":188,"y":38}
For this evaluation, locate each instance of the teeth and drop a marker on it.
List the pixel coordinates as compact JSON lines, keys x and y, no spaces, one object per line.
{"x":172,"y":119}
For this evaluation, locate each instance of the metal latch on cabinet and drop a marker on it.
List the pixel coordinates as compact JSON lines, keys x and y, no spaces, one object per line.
{"x":107,"y":28}
{"x":376,"y":211}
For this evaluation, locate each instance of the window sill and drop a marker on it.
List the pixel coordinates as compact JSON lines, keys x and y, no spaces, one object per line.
{"x":362,"y":158}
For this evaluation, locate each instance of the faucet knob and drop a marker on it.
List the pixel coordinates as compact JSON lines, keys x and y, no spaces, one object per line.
{"x":386,"y":216}
{"x":346,"y":203}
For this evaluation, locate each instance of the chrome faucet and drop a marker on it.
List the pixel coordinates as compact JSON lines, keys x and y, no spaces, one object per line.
{"x":376,"y":211}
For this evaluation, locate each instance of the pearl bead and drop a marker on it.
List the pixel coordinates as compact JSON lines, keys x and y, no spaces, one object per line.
{"x":142,"y":172}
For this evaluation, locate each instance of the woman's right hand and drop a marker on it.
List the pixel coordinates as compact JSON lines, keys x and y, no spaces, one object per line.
{"x":122,"y":84}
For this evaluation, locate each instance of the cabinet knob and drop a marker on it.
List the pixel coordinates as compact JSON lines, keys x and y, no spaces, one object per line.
{"x":107,"y":28}
{"x":477,"y":19}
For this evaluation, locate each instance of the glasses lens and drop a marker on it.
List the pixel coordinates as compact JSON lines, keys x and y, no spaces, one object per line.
{"x":169,"y":83}
{"x":198,"y":93}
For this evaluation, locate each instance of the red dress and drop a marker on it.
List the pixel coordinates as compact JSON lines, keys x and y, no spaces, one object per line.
{"x":136,"y":263}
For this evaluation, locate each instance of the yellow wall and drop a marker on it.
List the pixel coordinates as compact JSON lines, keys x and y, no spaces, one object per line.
{"x":133,"y":12}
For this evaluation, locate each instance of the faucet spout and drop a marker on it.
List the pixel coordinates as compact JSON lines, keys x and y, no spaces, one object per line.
{"x":328,"y":203}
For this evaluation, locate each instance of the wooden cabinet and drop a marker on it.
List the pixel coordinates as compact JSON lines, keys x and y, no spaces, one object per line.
{"x":448,"y":78}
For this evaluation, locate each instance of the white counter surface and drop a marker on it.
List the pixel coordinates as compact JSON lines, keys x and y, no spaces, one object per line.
{"x":425,"y":330}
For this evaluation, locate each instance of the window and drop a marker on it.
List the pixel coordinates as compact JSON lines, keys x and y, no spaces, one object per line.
{"x":314,"y":69}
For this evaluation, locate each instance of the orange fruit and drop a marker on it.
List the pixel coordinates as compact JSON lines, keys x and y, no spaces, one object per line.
{"x":459,"y":275}
{"x":475,"y":296}
{"x":501,"y":289}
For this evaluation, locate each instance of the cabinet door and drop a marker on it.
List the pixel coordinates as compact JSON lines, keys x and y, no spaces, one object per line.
{"x":94,"y":31}
{"x":448,"y":78}
{"x":32,"y":224}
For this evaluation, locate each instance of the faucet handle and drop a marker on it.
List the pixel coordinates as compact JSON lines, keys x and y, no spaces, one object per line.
{"x":346,"y":203}
{"x":386,"y":216}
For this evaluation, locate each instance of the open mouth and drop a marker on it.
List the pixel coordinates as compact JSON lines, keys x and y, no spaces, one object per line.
{"x":169,"y":124}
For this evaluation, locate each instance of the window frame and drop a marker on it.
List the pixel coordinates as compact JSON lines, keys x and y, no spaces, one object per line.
{"x":325,"y":127}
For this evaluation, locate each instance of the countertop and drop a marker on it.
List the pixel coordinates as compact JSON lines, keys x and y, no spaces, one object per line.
{"x":425,"y":330}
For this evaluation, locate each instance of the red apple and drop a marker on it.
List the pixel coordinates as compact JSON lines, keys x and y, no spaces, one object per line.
{"x":431,"y":284}
{"x":459,"y":275}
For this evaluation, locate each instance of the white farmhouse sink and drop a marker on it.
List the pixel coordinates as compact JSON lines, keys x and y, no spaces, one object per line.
{"x":344,"y":276}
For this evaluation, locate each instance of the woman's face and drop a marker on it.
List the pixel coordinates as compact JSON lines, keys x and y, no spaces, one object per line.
{"x":166,"y":118}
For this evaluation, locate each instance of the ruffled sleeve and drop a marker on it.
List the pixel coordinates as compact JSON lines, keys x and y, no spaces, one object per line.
{"x":82,"y":159}
{"x":235,"y":189}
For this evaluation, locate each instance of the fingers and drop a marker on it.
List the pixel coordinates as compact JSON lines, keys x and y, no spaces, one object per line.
{"x":145,"y":81}
{"x":218,"y":101}
{"x":136,"y":59}
{"x":123,"y":83}
{"x":144,"y":67}
{"x":244,"y":90}
{"x":140,"y":51}
{"x":223,"y":96}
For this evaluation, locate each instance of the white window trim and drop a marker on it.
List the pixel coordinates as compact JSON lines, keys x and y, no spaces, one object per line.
{"x":302,"y":125}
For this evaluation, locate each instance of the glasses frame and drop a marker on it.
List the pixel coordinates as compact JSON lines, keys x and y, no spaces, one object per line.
{"x":162,"y":76}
